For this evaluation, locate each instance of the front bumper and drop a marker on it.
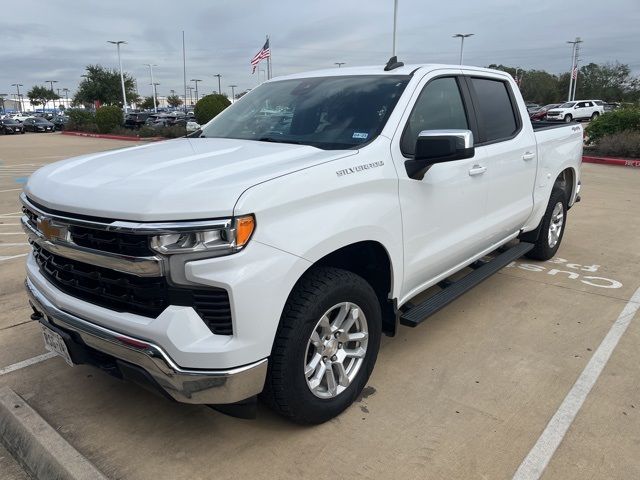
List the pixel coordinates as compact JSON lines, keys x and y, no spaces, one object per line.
{"x":184,"y":385}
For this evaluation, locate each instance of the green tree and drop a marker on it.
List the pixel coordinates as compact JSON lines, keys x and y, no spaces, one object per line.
{"x":147,"y":103}
{"x":40,"y":95}
{"x":209,"y":106}
{"x":174,"y":101}
{"x":610,"y":82}
{"x":104,"y":85}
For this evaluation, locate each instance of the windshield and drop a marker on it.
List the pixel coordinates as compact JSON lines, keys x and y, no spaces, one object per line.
{"x":325,"y":112}
{"x":10,"y":121}
{"x":567,"y":105}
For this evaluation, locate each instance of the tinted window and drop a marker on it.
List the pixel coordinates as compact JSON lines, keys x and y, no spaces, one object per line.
{"x":494,"y":109}
{"x":438,"y":107}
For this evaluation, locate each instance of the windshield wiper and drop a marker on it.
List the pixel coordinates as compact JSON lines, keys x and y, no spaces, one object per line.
{"x":280,"y":140}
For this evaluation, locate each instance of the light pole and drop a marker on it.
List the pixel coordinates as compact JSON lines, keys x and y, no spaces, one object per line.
{"x":50,"y":82}
{"x":462,"y":36}
{"x":196,"y":80}
{"x":339,"y":64}
{"x":155,"y":92}
{"x":151,"y":65}
{"x":395,"y":20}
{"x":233,"y":92}
{"x":575,"y":47}
{"x":124,"y":94}
{"x":190,"y":89}
{"x":18,"y":85}
{"x":219,"y":87}
{"x":66,"y":96}
{"x":2,"y":95}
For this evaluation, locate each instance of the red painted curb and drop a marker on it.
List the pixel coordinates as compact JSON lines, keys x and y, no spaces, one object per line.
{"x":622,"y":162}
{"x":112,"y":137}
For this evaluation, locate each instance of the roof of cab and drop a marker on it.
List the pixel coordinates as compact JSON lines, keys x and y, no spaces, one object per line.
{"x":379,"y":70}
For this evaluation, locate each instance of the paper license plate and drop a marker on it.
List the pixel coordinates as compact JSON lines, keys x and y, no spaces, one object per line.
{"x":55,"y":343}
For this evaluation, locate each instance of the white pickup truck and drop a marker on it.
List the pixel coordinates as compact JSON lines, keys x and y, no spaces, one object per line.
{"x":268,"y":252}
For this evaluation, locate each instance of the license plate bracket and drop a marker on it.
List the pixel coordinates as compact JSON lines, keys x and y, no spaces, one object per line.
{"x":54,"y":342}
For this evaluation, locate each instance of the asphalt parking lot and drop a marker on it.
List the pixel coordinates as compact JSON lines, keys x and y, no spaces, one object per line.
{"x":465,"y":395}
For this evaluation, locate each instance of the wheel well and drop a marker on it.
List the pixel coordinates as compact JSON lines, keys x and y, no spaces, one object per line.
{"x":370,"y":261}
{"x":566,"y":181}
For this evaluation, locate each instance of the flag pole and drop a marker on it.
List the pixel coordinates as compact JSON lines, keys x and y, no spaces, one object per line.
{"x":184,"y":72}
{"x":269,"y":60}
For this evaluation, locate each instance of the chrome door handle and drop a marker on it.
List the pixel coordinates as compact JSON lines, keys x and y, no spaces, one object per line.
{"x":528,"y":156}
{"x":477,"y":170}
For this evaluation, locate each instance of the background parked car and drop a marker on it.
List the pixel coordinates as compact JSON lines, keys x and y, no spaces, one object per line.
{"x":136,"y":120}
{"x":9,"y":126}
{"x":60,"y":122}
{"x":578,"y":110}
{"x":20,"y":117}
{"x":541,"y":113}
{"x":37,"y":124}
{"x":192,"y":126}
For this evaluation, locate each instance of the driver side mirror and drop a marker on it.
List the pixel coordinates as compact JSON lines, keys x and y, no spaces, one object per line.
{"x":438,"y":146}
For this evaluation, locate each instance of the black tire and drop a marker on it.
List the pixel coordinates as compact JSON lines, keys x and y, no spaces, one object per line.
{"x":568,"y":118}
{"x":542,"y":249}
{"x":286,"y":390}
{"x":595,"y":115}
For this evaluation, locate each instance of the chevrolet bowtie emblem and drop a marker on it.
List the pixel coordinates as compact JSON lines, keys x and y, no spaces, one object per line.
{"x":48,"y":230}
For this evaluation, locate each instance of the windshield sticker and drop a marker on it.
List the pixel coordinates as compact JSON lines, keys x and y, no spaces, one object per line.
{"x":362,"y":135}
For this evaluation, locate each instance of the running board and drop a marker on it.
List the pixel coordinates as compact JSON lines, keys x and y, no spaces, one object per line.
{"x":451,"y":290}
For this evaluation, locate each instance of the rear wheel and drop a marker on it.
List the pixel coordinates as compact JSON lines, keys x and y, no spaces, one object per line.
{"x":552,"y":228}
{"x":595,"y":115}
{"x":325,"y":347}
{"x":568,"y":118}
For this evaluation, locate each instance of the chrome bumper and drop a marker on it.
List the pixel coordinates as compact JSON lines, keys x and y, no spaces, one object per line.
{"x":187,"y":386}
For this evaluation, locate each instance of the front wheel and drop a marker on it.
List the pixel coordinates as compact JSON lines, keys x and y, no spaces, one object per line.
{"x":325,"y":347}
{"x":552,"y":228}
{"x":568,"y":118}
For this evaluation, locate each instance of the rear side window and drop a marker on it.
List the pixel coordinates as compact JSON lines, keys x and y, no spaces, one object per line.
{"x":494,"y":109}
{"x":438,"y":107}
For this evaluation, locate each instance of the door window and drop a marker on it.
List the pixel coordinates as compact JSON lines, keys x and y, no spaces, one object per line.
{"x":438,"y":107}
{"x":495,"y":112}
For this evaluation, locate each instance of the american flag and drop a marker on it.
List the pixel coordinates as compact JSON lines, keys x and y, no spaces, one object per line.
{"x":265,"y":52}
{"x":574,"y":74}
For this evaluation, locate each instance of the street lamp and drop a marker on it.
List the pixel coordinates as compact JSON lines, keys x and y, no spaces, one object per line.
{"x":233,"y":92}
{"x":66,"y":96}
{"x":50,"y":82}
{"x":462,"y":36}
{"x":219,"y":88}
{"x":196,"y":80}
{"x":124,"y":94}
{"x":151,"y":65}
{"x":190,"y":89}
{"x":18,"y":85}
{"x":155,"y":92}
{"x":339,"y":64}
{"x":2,"y":95}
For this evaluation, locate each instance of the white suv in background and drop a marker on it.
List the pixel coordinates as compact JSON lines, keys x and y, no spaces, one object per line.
{"x":578,"y":110}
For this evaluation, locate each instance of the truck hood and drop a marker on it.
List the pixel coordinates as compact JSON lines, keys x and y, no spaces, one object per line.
{"x":182,"y":179}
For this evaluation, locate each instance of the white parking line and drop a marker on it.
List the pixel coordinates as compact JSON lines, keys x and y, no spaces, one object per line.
{"x":540,"y":455}
{"x":11,"y":233}
{"x":11,"y":190}
{"x":13,"y":244}
{"x":26,"y":363}
{"x":2,"y":259}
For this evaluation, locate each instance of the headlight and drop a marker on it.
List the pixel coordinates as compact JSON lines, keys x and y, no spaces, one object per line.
{"x":228,"y":237}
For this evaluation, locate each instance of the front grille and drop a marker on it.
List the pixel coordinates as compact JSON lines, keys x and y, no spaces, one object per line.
{"x":114,"y":242}
{"x":147,"y":296}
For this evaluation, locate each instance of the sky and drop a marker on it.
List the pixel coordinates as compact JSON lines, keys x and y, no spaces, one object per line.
{"x":55,"y":40}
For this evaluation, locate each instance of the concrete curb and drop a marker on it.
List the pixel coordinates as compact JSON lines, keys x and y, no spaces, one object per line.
{"x":112,"y":137}
{"x":37,"y":446}
{"x":622,"y":162}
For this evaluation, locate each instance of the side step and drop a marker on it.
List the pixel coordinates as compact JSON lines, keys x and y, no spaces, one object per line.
{"x":453,"y":289}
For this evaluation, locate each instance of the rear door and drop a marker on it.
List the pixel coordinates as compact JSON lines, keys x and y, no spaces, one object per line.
{"x":508,"y":146}
{"x":583,"y":110}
